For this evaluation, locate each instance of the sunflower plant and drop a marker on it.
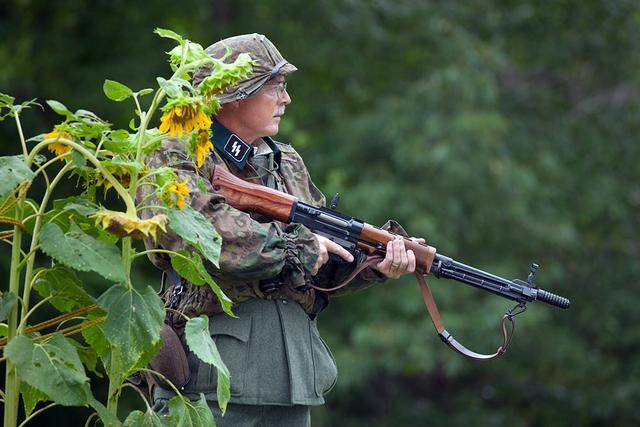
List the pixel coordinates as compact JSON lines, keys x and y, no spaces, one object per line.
{"x":117,"y":333}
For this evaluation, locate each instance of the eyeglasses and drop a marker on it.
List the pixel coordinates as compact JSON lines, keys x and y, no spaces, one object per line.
{"x":277,"y":89}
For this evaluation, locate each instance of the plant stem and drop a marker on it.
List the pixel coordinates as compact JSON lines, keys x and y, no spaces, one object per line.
{"x":131,"y":208}
{"x":12,"y":381}
{"x":24,"y":319}
{"x":50,"y":162}
{"x":113,"y":395}
{"x":127,"y":257}
{"x":160,"y":251}
{"x":145,"y":117}
{"x":22,"y":141}
{"x":39,"y":411}
{"x":146,"y":402}
{"x":26,"y":292}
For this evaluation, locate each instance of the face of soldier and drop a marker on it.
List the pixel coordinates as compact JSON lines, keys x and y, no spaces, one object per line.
{"x":260,"y":114}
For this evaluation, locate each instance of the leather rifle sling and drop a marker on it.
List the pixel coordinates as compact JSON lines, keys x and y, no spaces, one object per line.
{"x":432,"y":308}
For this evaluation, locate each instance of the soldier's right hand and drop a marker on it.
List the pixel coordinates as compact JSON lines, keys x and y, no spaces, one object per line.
{"x":327,"y":247}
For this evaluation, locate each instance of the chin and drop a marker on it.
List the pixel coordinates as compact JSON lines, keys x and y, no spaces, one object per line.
{"x":272,"y":130}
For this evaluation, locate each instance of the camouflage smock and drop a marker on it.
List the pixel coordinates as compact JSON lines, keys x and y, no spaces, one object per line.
{"x":253,"y":249}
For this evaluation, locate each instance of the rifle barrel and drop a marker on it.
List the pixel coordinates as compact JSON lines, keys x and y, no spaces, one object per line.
{"x":516,"y":290}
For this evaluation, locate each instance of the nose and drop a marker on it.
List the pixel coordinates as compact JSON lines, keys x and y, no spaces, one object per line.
{"x":285,"y":99}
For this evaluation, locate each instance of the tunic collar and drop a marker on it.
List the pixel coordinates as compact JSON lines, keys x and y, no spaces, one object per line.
{"x":236,"y":150}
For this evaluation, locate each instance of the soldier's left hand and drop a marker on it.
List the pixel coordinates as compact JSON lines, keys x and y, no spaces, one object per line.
{"x":398,"y":260}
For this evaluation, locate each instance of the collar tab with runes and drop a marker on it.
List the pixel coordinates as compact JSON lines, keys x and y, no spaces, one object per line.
{"x":231,"y":146}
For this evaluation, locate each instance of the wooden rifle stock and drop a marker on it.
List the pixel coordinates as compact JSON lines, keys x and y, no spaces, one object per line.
{"x":374,"y":240}
{"x":249,"y":197}
{"x":271,"y":203}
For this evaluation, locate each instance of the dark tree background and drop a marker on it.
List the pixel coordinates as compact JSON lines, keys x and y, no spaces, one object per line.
{"x":504,"y":131}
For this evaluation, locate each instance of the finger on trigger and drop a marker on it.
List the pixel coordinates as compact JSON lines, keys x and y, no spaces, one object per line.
{"x":341,"y":252}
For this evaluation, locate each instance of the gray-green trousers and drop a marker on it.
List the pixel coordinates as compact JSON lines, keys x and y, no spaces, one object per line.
{"x":253,"y":415}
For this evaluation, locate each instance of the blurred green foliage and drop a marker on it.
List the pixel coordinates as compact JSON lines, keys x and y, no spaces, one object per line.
{"x":505,"y":132}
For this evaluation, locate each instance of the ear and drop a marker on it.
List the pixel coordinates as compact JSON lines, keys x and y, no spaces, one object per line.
{"x":227,"y":108}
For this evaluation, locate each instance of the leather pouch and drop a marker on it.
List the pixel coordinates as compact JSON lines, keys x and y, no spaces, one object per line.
{"x":171,"y":360}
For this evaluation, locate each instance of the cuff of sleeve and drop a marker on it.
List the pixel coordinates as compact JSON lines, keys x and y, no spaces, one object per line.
{"x":301,"y":254}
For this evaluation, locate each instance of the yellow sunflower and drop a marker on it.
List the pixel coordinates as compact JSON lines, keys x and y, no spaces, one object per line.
{"x":176,"y":193}
{"x":182,"y":119}
{"x":123,"y":225}
{"x":58,"y":148}
{"x":203,"y":146}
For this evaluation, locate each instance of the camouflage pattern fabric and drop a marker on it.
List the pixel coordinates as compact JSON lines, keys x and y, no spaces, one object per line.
{"x":267,"y":63}
{"x":253,"y":248}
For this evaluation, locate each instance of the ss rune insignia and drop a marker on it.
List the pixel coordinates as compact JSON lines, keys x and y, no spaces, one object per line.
{"x":236,"y":148}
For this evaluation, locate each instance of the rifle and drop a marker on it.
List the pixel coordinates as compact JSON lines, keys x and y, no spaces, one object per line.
{"x":356,"y":235}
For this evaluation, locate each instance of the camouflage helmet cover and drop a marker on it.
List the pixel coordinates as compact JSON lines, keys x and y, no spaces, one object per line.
{"x":268,"y":63}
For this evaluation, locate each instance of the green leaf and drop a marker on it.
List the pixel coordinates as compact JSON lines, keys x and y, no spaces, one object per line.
{"x":186,"y":267}
{"x":82,"y":252}
{"x":78,"y":159}
{"x":13,"y":171}
{"x":169,"y":34}
{"x":59,"y":108}
{"x":4,"y":330}
{"x":78,"y":208}
{"x":39,"y":159}
{"x":88,"y":356}
{"x":196,"y":230}
{"x":118,"y":363}
{"x":202,"y":345}
{"x":94,"y":336}
{"x":186,"y":413}
{"x":190,"y":266}
{"x":164,"y":175}
{"x":120,"y":142}
{"x":134,"y":320}
{"x":200,"y":184}
{"x":84,"y":207}
{"x":6,"y":100}
{"x":170,"y":87}
{"x":194,"y":52}
{"x":144,"y":92}
{"x":52,"y":367}
{"x":30,"y":397}
{"x":147,"y":355}
{"x":145,"y":419}
{"x":64,"y":287}
{"x":108,"y":419}
{"x":119,"y":162}
{"x":7,"y":302}
{"x":223,"y":391}
{"x":116,"y":91}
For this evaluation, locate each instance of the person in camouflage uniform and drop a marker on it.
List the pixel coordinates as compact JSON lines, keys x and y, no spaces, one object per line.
{"x":279,"y":365}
